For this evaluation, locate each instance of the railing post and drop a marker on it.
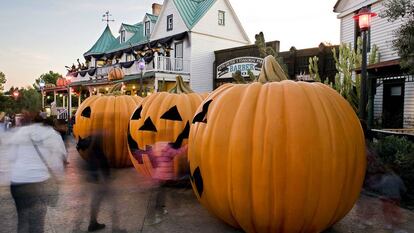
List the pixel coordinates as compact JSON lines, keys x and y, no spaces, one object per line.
{"x":156,"y":65}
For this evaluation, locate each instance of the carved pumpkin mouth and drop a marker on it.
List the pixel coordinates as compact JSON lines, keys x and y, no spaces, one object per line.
{"x":137,"y":152}
{"x":83,"y":143}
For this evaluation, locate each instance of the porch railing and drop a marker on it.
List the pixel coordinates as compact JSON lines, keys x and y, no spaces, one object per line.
{"x":158,"y":64}
{"x":62,"y":113}
{"x":173,"y":65}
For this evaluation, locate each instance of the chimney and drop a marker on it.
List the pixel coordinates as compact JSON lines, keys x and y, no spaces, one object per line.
{"x":156,"y":9}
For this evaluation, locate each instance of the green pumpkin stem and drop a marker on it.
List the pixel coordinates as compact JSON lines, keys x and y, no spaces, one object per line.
{"x":180,"y":87}
{"x":115,"y":90}
{"x":271,"y":71}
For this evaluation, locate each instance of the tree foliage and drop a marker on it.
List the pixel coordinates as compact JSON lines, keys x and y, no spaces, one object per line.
{"x":3,"y":81}
{"x":404,"y":42}
{"x":29,"y":100}
{"x":50,"y":77}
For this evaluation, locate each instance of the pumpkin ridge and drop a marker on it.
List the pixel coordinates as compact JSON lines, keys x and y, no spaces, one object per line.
{"x":255,"y":92}
{"x":354,"y":173}
{"x":343,"y":189}
{"x":344,"y":180}
{"x":311,"y":94}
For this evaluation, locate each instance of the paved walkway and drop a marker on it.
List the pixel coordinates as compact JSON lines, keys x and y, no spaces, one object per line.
{"x":136,"y":200}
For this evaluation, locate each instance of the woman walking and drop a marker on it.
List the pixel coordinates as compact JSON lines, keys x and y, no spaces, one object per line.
{"x":37,"y":153}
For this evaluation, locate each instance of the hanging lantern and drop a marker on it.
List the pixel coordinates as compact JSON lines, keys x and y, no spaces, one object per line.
{"x":364,"y":18}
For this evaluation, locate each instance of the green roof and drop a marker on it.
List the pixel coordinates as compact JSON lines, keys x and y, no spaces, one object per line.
{"x":191,"y":11}
{"x":102,"y":44}
{"x":130,"y":28}
{"x":136,"y":39}
{"x":151,"y":17}
{"x":114,"y":45}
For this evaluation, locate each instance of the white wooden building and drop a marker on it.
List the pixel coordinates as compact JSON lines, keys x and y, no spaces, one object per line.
{"x":179,"y":37}
{"x":394,"y":97}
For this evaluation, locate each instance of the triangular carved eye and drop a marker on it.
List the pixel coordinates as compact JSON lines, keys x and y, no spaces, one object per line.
{"x":202,"y":116}
{"x":197,"y":179}
{"x":148,"y":126}
{"x":86,"y":112}
{"x":137,"y":114}
{"x":172,"y":115}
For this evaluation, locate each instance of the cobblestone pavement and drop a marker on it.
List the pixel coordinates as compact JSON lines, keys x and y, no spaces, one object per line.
{"x":135,"y":199}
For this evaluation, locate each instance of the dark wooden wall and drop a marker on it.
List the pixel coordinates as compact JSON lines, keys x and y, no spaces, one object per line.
{"x":297,"y":61}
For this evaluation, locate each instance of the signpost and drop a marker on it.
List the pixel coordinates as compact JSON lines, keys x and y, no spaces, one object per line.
{"x":242,"y":64}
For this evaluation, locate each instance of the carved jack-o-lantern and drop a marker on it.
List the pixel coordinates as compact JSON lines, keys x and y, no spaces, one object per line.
{"x":115,"y":74}
{"x":109,"y":117}
{"x":277,"y":156}
{"x":159,"y":131}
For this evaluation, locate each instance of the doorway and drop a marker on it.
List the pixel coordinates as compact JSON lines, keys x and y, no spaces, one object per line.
{"x":393,"y":104}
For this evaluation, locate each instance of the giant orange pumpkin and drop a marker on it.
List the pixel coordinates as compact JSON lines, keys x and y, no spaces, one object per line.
{"x":108,"y":116}
{"x":62,"y":82}
{"x":159,"y":130}
{"x":277,"y":156}
{"x":115,"y":74}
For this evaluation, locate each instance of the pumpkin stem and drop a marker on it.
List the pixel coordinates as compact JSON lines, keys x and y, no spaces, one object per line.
{"x":116,"y":90}
{"x":271,"y":71}
{"x":180,"y":87}
{"x":116,"y":87}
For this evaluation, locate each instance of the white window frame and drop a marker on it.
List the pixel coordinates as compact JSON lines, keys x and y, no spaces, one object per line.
{"x":179,"y":59}
{"x":170,"y":22}
{"x":122,"y":36}
{"x":147,"y":28}
{"x":221,"y":18}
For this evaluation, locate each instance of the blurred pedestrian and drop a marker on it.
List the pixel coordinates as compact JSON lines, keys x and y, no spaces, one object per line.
{"x":72,"y":122}
{"x":391,"y":188}
{"x":99,"y":176}
{"x":36,"y":166}
{"x":2,"y":122}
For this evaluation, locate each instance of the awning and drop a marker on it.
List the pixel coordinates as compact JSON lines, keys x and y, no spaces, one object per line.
{"x":133,"y":77}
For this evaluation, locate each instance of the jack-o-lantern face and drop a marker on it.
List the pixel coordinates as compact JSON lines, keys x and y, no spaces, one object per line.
{"x":277,"y":157}
{"x":158,"y":134}
{"x":108,"y":116}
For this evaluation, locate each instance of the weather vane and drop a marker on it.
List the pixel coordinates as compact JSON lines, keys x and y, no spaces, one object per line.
{"x":106,"y":18}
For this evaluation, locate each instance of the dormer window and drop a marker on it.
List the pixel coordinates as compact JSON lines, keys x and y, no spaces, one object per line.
{"x":122,"y":37}
{"x":147,"y":28}
{"x":221,"y":18}
{"x":170,"y":22}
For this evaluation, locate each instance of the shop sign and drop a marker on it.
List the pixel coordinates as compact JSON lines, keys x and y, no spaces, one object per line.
{"x":242,"y":64}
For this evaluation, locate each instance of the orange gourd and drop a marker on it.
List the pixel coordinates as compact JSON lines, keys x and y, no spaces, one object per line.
{"x":158,"y":132}
{"x":278,"y":156}
{"x":116,"y":74}
{"x":108,"y":116}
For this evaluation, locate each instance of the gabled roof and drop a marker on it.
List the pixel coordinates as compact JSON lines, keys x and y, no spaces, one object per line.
{"x":102,"y":44}
{"x":336,"y":5}
{"x":136,"y":39}
{"x":130,"y":28}
{"x":191,"y":11}
{"x":151,"y":17}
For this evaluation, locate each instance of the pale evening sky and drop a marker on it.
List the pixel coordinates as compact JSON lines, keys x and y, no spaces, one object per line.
{"x":42,"y":35}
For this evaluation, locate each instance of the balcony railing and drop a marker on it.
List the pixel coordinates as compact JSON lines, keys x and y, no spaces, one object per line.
{"x":172,"y":65}
{"x":158,"y":64}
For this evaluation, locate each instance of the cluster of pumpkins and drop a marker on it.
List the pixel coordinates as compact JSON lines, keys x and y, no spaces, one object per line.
{"x":271,"y":156}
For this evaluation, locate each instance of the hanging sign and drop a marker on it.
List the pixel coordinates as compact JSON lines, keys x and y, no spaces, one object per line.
{"x":242,"y":64}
